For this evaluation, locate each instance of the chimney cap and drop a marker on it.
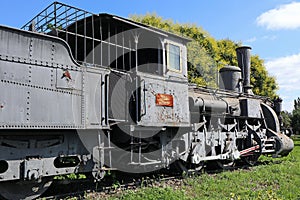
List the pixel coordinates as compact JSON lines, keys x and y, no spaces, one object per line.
{"x":243,"y":47}
{"x":230,"y":68}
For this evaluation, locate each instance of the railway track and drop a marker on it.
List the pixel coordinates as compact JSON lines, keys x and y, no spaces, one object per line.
{"x":64,"y":189}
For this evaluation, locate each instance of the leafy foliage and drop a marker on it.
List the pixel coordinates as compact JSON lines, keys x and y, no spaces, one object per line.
{"x":226,"y":54}
{"x":296,"y":116}
{"x":201,"y":67}
{"x":207,"y":55}
{"x":263,"y":83}
{"x":286,"y":119}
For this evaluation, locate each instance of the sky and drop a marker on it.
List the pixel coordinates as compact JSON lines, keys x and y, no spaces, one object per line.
{"x":270,"y":27}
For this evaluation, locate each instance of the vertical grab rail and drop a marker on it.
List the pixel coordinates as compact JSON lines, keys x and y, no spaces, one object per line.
{"x":143,"y":82}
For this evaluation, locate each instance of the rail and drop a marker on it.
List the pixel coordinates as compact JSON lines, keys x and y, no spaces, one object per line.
{"x":56,"y":16}
{"x":98,"y":40}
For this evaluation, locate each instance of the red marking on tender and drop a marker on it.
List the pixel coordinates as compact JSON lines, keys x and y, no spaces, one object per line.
{"x":164,"y":100}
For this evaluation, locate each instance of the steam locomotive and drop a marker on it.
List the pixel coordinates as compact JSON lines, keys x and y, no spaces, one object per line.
{"x":91,"y":93}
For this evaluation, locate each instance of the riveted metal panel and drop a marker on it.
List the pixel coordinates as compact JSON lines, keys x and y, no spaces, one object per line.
{"x":60,"y":108}
{"x":11,"y":41}
{"x":41,"y":76}
{"x":34,"y":91}
{"x":251,"y":108}
{"x":13,"y":106}
{"x":157,"y":115}
{"x":26,"y":102}
{"x":35,"y":48}
{"x":93,"y":100}
{"x":10,"y":71}
{"x":41,"y":49}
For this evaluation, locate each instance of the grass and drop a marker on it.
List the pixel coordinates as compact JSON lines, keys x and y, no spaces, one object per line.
{"x":274,"y":178}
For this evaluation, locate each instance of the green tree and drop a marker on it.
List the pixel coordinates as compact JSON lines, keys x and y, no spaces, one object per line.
{"x":286,"y":119}
{"x":296,"y":116}
{"x":207,"y":55}
{"x":202,"y":69}
{"x":226,"y":52}
{"x":263,"y":83}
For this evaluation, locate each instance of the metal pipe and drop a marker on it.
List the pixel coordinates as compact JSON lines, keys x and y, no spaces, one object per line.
{"x":213,"y":105}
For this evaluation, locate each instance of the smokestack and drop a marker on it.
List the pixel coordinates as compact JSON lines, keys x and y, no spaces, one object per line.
{"x":243,"y":57}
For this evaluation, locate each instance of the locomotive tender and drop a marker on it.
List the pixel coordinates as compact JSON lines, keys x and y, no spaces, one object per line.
{"x":88,"y":93}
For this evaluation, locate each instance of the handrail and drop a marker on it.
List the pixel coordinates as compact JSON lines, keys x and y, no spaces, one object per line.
{"x":144,"y":95}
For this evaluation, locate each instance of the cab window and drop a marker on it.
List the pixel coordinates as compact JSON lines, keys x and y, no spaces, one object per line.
{"x":174,"y":57}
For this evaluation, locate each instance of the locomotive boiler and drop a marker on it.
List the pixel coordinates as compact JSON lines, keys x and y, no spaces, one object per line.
{"x":91,"y":93}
